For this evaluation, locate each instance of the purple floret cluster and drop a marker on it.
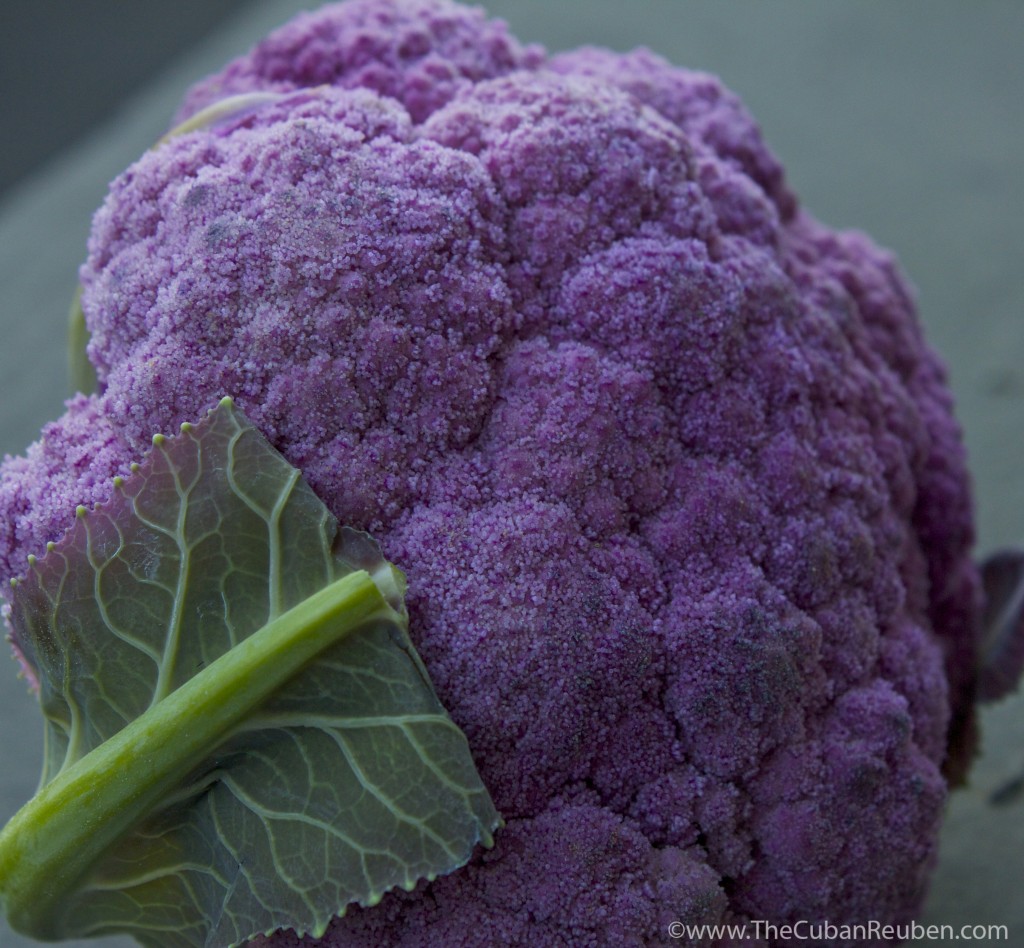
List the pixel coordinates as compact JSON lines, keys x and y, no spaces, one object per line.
{"x":672,"y":473}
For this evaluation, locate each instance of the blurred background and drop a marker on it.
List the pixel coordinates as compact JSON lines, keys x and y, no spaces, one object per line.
{"x":65,"y":67}
{"x":903,"y":120}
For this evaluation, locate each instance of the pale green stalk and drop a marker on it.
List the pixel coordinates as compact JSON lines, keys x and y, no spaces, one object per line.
{"x":52,"y":842}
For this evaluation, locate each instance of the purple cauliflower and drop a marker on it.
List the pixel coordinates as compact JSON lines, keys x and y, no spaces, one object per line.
{"x":671,"y":471}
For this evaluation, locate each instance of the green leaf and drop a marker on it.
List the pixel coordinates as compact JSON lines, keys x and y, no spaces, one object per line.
{"x":227,"y":108}
{"x":81,"y":373}
{"x":240,"y":736}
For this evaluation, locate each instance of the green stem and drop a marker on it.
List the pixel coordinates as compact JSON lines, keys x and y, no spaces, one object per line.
{"x":52,"y":842}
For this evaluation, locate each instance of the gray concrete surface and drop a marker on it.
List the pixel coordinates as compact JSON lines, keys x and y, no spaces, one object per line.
{"x":102,"y":50}
{"x":900,"y":119}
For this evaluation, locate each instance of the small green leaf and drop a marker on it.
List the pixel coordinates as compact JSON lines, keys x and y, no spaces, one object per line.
{"x":240,"y":736}
{"x":81,"y":373}
{"x":221,"y":110}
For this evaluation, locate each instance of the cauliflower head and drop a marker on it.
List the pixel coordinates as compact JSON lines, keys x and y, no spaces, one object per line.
{"x":671,"y":471}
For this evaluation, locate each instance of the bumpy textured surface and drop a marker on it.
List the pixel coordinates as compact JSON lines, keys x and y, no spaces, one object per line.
{"x":671,"y":471}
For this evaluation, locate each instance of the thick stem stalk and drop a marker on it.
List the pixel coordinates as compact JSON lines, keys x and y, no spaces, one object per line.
{"x":52,"y":842}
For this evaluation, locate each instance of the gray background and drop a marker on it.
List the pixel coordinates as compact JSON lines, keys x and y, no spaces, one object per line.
{"x":903,"y":119}
{"x":65,"y":66}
